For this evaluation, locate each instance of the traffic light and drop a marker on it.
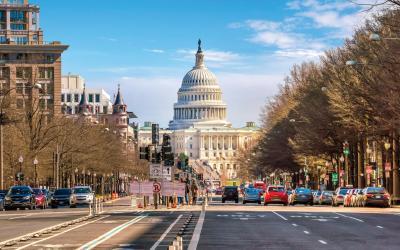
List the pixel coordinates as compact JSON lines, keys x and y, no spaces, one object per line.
{"x":346,"y":149}
{"x":144,"y":153}
{"x":19,"y":176}
{"x":155,"y":136}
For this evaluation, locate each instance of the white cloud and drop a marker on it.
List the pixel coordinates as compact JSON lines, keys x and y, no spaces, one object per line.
{"x":279,"y":39}
{"x":259,"y":25}
{"x":300,"y":53}
{"x":160,"y":51}
{"x":110,"y":39}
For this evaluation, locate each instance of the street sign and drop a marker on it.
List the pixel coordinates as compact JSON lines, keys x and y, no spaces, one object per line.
{"x":156,"y":171}
{"x":167,"y":173}
{"x":156,"y":187}
{"x":334,"y":177}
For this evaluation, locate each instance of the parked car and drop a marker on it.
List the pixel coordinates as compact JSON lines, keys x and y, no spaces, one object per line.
{"x":326,"y":198}
{"x":338,"y":196}
{"x":353,"y":198}
{"x":276,"y":195}
{"x":63,"y":197}
{"x":251,"y":195}
{"x":301,"y":196}
{"x":260,"y":185}
{"x":2,"y":200}
{"x":316,"y":196}
{"x":83,"y":195}
{"x":230,"y":193}
{"x":376,"y":196}
{"x":20,"y":197}
{"x":40,"y":198}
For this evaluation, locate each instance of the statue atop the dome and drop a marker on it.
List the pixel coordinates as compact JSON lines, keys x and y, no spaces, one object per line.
{"x":199,"y":48}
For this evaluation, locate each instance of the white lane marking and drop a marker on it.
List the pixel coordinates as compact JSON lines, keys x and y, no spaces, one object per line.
{"x":379,"y":227}
{"x":279,"y":215}
{"x":306,"y":232}
{"x":165,"y":233}
{"x":21,"y":216}
{"x":295,"y":225}
{"x":350,"y":217}
{"x":55,"y":235}
{"x":322,"y":242}
{"x":92,"y":244}
{"x":197,"y":231}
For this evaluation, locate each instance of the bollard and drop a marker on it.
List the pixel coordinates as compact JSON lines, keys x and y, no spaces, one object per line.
{"x":179,"y":239}
{"x":90,"y":209}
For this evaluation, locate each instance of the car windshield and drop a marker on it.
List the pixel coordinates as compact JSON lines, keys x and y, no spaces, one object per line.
{"x":276,"y":189}
{"x":343,"y":191}
{"x":62,"y":192}
{"x":303,"y":191}
{"x":252,"y":191}
{"x":37,"y":191}
{"x":81,"y":190}
{"x":19,"y":190}
{"x":376,"y":190}
{"x":327,"y":193}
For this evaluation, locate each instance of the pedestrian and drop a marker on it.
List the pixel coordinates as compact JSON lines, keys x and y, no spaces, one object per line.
{"x":187,"y":190}
{"x":194,"y":190}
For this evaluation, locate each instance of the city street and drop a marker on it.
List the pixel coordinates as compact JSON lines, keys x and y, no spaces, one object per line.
{"x":225,"y":226}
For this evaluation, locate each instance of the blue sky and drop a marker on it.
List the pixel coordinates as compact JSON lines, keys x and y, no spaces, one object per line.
{"x":148,"y":46}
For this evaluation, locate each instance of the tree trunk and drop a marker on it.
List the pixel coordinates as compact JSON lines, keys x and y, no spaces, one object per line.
{"x":360,"y":163}
{"x":395,"y":165}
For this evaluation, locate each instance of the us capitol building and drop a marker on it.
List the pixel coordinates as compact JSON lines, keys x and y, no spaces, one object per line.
{"x":199,"y":127}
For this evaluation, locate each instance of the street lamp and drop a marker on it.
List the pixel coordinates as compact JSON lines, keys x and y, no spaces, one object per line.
{"x":35,"y":163}
{"x":4,"y":121}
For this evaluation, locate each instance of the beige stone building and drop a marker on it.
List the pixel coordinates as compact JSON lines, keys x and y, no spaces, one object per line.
{"x":26,"y":60}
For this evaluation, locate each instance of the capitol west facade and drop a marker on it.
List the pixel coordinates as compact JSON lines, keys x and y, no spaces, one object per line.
{"x":199,"y":127}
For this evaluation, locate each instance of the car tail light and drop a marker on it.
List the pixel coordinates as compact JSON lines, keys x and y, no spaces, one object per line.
{"x":340,"y":196}
{"x":370,"y":195}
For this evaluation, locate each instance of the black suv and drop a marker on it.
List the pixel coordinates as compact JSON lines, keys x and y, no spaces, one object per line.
{"x":230,"y":194}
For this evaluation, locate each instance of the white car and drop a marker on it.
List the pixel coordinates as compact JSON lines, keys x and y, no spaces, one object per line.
{"x":83,"y":195}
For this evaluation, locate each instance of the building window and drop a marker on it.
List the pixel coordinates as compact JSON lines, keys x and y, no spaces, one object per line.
{"x":90,"y":97}
{"x":191,"y":146}
{"x":62,"y":98}
{"x":42,"y":104}
{"x":76,"y":97}
{"x":20,"y":88}
{"x":191,"y":155}
{"x":46,"y":73}
{"x":97,"y":98}
{"x":105,"y":109}
{"x":234,"y":166}
{"x":68,"y":97}
{"x":20,"y":103}
{"x":206,"y":154}
{"x":23,"y":73}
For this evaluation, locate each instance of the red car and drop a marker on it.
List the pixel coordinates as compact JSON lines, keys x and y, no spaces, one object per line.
{"x":40,"y":198}
{"x":276,"y":195}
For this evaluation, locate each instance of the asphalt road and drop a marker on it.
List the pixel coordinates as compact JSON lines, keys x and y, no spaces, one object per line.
{"x":220,"y":226}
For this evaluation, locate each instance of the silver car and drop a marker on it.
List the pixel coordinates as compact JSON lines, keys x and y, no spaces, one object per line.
{"x":83,"y":195}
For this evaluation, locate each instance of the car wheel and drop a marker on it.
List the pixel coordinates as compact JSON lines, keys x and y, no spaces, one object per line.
{"x":73,"y":206}
{"x":265,"y":204}
{"x":244,"y":202}
{"x":236,"y":201}
{"x":285,"y":204}
{"x":311,"y":204}
{"x":259,"y":202}
{"x":223,"y":201}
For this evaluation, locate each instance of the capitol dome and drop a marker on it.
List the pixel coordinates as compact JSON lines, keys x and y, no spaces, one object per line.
{"x":200,"y":101}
